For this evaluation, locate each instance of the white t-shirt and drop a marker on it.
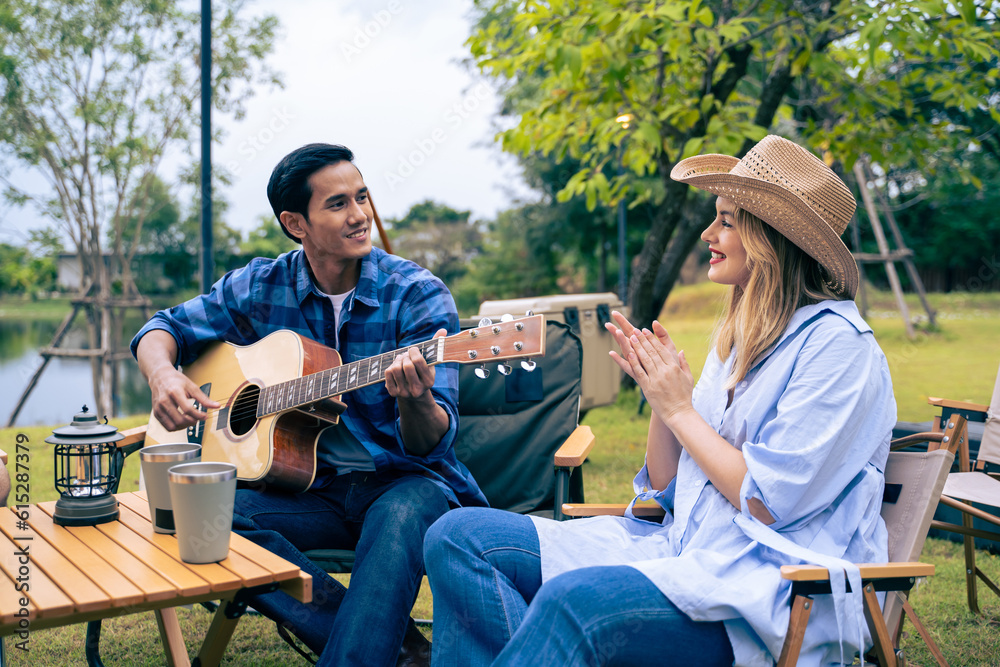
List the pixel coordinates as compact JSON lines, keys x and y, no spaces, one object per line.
{"x":338,"y":446}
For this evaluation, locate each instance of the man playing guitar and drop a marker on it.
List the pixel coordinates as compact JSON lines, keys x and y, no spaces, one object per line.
{"x":388,"y":469}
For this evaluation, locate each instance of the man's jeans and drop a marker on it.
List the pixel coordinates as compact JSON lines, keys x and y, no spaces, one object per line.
{"x":384,"y":521}
{"x":490,"y":606}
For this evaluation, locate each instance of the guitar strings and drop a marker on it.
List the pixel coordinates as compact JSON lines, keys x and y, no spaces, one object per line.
{"x":250,"y":407}
{"x":244,"y":408}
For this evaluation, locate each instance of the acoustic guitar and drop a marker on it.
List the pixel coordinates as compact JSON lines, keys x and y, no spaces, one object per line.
{"x":279,"y":394}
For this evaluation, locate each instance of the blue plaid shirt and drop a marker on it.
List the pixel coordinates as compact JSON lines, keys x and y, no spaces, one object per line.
{"x":396,"y":303}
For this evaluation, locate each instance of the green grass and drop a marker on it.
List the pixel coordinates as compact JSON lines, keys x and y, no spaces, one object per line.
{"x":958,"y":360}
{"x":25,"y":308}
{"x":133,"y":640}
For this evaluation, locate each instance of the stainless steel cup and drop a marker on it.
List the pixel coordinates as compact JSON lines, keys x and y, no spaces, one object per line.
{"x":155,"y":461}
{"x":203,"y":495}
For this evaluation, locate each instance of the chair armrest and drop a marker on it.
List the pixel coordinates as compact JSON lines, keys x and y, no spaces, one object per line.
{"x":133,"y":436}
{"x":915,"y":438}
{"x":574,"y":451}
{"x":868,"y":571}
{"x":957,"y":405}
{"x":644,"y":509}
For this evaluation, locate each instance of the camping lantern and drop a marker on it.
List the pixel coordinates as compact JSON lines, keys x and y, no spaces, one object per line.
{"x":84,"y":454}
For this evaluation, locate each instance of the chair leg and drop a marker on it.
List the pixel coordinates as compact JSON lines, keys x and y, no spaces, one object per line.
{"x":989,"y":582}
{"x":970,"y":566}
{"x":797,"y":621}
{"x":924,"y":634}
{"x":883,"y":647}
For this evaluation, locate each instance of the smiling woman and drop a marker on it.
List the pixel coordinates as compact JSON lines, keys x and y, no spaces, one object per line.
{"x":728,"y":265}
{"x":747,"y":480}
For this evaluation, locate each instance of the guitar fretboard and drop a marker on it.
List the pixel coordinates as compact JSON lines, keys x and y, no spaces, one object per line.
{"x":339,"y":380}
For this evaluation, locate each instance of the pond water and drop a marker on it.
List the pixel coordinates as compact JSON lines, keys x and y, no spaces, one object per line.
{"x":66,"y":384}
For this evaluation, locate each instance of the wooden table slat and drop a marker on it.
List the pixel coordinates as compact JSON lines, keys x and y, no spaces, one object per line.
{"x":278,"y":566}
{"x":105,"y":575}
{"x":136,"y":502}
{"x":248,"y":569}
{"x":133,"y":567}
{"x":219,"y":578}
{"x":252,"y":573}
{"x":85,"y":594}
{"x":169,"y":568}
{"x":45,"y":595}
{"x":10,"y":603}
{"x":152,"y":585}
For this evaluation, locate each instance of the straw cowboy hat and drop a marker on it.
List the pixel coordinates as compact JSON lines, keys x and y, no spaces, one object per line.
{"x":790,"y":189}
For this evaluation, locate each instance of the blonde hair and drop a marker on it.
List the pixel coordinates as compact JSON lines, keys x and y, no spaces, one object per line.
{"x":783,"y":278}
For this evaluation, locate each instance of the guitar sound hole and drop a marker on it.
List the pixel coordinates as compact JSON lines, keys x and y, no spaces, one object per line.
{"x":243,"y":416}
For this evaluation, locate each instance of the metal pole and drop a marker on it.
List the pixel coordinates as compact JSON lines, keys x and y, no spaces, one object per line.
{"x":622,"y":272}
{"x":207,"y":263}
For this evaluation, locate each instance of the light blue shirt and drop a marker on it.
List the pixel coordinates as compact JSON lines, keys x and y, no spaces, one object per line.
{"x":813,"y":419}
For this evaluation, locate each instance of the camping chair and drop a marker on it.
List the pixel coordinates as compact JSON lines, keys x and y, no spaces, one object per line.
{"x":976,"y":482}
{"x":913,"y":483}
{"x":513,"y":430}
{"x":518,"y":434}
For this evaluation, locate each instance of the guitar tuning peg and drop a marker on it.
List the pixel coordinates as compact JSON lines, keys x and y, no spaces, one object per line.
{"x":482,"y":372}
{"x":504,"y":369}
{"x":528,"y":365}
{"x":485,"y":322}
{"x":506,"y":317}
{"x":529,"y":312}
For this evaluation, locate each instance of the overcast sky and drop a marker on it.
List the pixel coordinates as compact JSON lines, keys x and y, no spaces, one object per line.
{"x":383,"y":78}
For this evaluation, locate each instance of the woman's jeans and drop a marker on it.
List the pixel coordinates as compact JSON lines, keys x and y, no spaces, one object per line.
{"x":490,"y":606}
{"x":384,"y":521}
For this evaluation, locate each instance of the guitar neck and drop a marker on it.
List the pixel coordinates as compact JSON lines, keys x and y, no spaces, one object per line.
{"x":339,"y":380}
{"x":507,"y":339}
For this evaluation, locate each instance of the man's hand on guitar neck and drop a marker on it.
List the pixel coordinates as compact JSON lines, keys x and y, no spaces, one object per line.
{"x":409,"y":380}
{"x":174,"y":394}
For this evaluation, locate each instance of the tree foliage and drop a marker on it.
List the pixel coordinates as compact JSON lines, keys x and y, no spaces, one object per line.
{"x":948,"y":220}
{"x":437,"y":237}
{"x":890,"y":79}
{"x":31,"y":268}
{"x":517,"y":259}
{"x":167,"y":251}
{"x":266,"y":240}
{"x":93,"y":96}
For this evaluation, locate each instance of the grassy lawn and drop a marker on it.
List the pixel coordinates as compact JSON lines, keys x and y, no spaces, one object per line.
{"x":957,"y":359}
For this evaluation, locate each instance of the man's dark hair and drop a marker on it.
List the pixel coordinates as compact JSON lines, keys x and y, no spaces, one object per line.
{"x":288,"y":188}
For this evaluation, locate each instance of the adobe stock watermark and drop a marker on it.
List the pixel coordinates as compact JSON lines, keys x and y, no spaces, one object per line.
{"x":989,"y":268}
{"x":425,"y":147}
{"x":254,"y":143}
{"x":363,"y":35}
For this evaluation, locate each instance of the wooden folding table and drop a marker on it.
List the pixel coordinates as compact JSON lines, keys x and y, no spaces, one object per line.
{"x":54,"y":575}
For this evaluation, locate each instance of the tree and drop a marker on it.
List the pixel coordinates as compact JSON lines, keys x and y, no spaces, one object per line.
{"x":516,"y":260}
{"x":93,"y":96}
{"x":266,"y":240}
{"x":30,"y":268}
{"x":437,"y":237}
{"x":716,"y":76}
{"x":949,"y":221}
